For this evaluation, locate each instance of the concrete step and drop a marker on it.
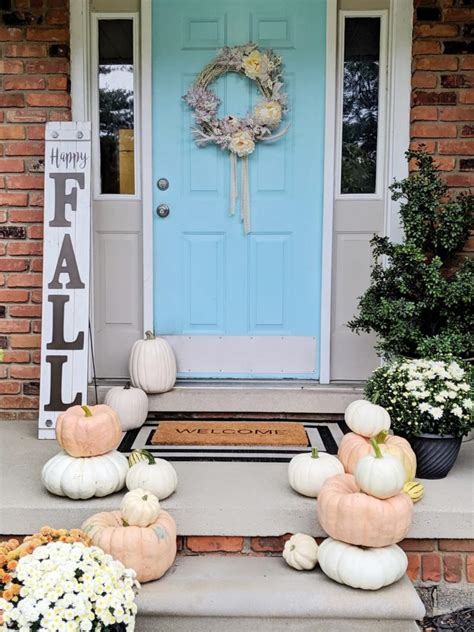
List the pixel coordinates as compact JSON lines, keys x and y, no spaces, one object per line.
{"x":250,"y":396}
{"x":242,"y":499}
{"x":240,"y":594}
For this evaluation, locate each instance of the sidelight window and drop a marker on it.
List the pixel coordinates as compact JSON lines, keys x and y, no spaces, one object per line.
{"x":361,"y":90}
{"x":115,"y":103}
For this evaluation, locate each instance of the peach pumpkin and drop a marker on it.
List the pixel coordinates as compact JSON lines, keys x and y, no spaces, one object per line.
{"x":354,"y":447}
{"x":150,"y":551}
{"x":349,"y":515}
{"x":88,"y":430}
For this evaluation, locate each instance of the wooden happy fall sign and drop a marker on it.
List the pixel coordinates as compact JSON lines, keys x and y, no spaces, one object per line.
{"x":67,"y":208}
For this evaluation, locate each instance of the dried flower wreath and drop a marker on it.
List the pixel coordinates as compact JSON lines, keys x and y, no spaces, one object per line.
{"x":239,"y":135}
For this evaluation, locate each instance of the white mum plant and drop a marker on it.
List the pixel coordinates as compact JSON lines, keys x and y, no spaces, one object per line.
{"x":70,"y":588}
{"x":432,"y":396}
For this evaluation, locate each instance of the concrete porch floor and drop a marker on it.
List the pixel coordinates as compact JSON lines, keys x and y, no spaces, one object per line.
{"x":246,"y":499}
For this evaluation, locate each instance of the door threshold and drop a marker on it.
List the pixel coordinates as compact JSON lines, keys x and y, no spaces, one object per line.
{"x":248,"y":396}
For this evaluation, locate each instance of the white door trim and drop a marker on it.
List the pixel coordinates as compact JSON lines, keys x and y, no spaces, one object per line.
{"x":79,"y":43}
{"x":328,"y":195}
{"x":147,"y":159}
{"x":399,"y":85}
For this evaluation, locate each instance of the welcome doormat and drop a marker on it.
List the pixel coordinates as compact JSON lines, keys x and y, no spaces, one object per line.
{"x":325,"y":435}
{"x":263,"y":433}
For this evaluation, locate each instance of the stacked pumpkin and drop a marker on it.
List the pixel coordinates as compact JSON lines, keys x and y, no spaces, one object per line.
{"x":364,"y":511}
{"x":361,"y":502}
{"x":141,"y":535}
{"x":367,"y":421}
{"x":89,"y":464}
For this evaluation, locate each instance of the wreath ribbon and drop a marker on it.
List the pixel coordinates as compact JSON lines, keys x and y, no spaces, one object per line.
{"x":244,"y":190}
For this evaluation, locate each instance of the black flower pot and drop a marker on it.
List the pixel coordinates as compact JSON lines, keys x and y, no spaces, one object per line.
{"x":435,"y":454}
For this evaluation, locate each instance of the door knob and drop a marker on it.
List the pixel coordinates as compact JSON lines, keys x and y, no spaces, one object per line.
{"x":163,"y":210}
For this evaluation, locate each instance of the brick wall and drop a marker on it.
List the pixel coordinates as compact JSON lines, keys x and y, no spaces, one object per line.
{"x":34,"y":65}
{"x":443,"y":86}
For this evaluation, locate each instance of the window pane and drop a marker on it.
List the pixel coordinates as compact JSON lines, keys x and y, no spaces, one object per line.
{"x":116,"y":118}
{"x":360,"y":105}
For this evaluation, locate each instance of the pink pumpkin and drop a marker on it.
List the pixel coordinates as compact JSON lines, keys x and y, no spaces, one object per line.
{"x":150,"y":551}
{"x":88,"y":430}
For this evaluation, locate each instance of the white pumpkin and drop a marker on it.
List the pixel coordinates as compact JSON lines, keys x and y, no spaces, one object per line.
{"x":366,"y":419}
{"x":380,"y":475}
{"x":308,"y":471}
{"x":85,"y":477}
{"x":366,"y":568}
{"x":130,"y":404}
{"x":139,"y":508}
{"x":152,"y":365}
{"x":154,"y":475}
{"x":301,"y":552}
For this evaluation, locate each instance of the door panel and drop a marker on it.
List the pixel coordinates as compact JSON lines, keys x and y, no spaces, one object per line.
{"x":117,"y":238}
{"x":360,"y":202}
{"x":210,"y":279}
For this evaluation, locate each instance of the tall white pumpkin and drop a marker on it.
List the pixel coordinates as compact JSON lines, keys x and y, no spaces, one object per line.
{"x":152,"y":365}
{"x":130,"y":404}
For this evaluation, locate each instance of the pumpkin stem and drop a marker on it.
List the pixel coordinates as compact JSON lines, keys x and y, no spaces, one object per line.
{"x":380,"y":438}
{"x":377,"y":450}
{"x":314,"y":453}
{"x":145,"y":497}
{"x":87,"y":410}
{"x":148,"y":455}
{"x":125,"y":523}
{"x":149,"y":335}
{"x":127,"y":386}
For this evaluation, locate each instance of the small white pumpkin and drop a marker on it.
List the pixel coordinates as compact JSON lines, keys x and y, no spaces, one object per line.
{"x":380,"y":475}
{"x":308,"y":471}
{"x":366,"y":568}
{"x":152,"y":364}
{"x":301,"y":552}
{"x":130,"y":404}
{"x":85,"y":477}
{"x":139,"y":508}
{"x":154,"y":475}
{"x":366,"y":419}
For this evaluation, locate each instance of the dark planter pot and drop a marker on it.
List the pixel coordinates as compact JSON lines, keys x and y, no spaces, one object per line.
{"x":435,"y":454}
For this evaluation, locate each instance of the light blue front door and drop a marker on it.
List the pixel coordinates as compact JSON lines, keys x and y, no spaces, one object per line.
{"x":236,"y":305}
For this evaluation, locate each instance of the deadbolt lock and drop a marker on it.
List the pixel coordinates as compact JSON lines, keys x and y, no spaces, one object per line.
{"x":162,"y":184}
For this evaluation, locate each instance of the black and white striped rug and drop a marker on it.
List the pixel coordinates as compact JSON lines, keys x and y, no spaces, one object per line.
{"x":324,"y":435}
